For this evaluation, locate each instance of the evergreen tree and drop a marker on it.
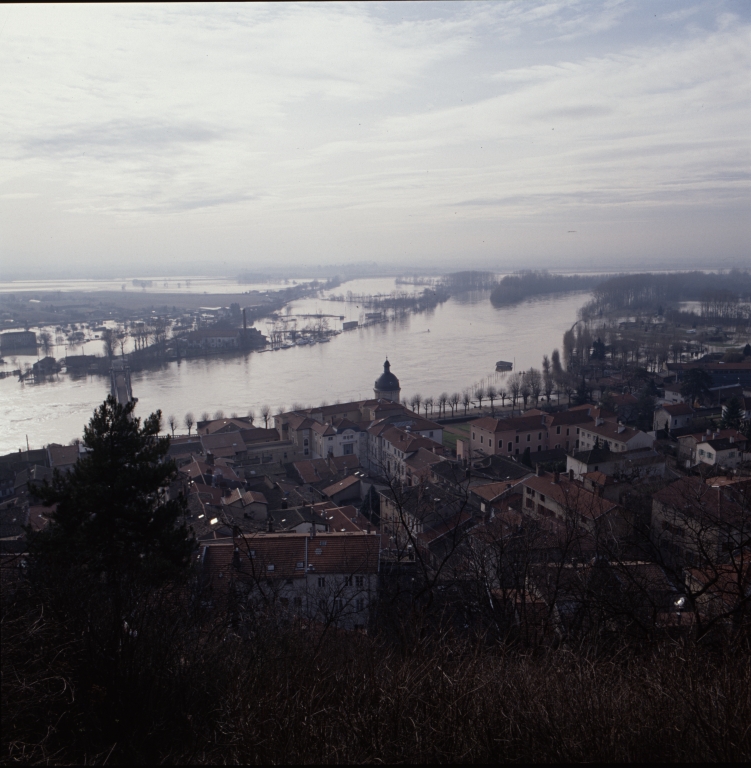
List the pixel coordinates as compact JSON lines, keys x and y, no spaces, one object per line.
{"x":582,"y":393}
{"x":696,"y":384}
{"x":733,"y":415}
{"x":112,"y":514}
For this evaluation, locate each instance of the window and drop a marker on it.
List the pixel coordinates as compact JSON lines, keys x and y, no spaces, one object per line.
{"x":510,"y":446}
{"x":321,"y":581}
{"x":347,"y":581}
{"x":270,"y":567}
{"x":539,"y":448}
{"x":359,"y":581}
{"x":330,"y":439}
{"x":529,"y":437}
{"x":480,"y":439}
{"x":307,"y":451}
{"x":539,"y":435}
{"x":558,"y":430}
{"x":360,"y":603}
{"x":542,"y":497}
{"x":473,"y":435}
{"x":298,"y":601}
{"x":349,"y":449}
{"x":567,"y":433}
{"x":517,"y":438}
{"x":530,"y":504}
{"x":577,"y":430}
{"x":305,"y":442}
{"x":431,"y":434}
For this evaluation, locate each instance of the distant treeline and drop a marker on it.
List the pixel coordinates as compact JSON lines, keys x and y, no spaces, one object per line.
{"x":719,"y":292}
{"x":522,"y":285}
{"x":470,"y":280}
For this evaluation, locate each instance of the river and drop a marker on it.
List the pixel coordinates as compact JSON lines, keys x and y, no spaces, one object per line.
{"x":448,"y":349}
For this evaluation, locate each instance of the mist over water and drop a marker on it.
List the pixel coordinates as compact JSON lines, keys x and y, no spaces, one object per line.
{"x":445,"y":350}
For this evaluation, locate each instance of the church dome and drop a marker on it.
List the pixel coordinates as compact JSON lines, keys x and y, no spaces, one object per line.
{"x":386,"y":382}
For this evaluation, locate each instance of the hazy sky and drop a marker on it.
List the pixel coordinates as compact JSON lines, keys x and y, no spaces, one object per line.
{"x":209,"y":138}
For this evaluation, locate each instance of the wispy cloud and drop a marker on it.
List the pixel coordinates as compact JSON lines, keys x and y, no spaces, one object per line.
{"x":388,"y":127}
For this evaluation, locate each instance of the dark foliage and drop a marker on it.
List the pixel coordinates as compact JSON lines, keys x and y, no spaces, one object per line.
{"x":515,"y":288}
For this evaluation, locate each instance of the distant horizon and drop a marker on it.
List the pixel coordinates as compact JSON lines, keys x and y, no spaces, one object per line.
{"x":350,"y":272}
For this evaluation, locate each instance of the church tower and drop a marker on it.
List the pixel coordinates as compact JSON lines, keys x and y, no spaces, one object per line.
{"x":386,"y":386}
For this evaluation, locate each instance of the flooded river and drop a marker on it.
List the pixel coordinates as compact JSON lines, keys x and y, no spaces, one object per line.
{"x":445,"y":350}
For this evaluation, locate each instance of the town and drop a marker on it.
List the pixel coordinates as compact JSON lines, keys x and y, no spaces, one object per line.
{"x":330,"y":506}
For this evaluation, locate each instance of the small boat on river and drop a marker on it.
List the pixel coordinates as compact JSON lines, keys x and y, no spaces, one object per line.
{"x":503,"y":365}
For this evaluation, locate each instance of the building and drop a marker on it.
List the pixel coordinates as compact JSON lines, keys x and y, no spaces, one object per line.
{"x":386,"y":386}
{"x":331,"y":578}
{"x":688,"y":445}
{"x":17,"y":341}
{"x":613,"y":436}
{"x":670,"y":417}
{"x":558,"y":499}
{"x":719,"y":452}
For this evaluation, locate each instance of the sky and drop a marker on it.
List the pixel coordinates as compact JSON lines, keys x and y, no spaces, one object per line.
{"x":176,"y":139}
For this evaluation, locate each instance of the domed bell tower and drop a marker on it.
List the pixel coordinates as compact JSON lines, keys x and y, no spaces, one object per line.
{"x":386,"y":386}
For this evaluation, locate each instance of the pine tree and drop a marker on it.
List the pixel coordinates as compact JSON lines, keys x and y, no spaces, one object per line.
{"x":733,"y":415}
{"x":113,"y":519}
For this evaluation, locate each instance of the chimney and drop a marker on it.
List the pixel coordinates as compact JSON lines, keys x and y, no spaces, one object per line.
{"x":210,"y":458}
{"x":732,"y":439}
{"x":571,"y":475}
{"x":312,"y":530}
{"x":599,"y":421}
{"x":271,"y":524}
{"x":538,"y":471}
{"x":621,"y":428}
{"x":556,"y":478}
{"x":709,"y":432}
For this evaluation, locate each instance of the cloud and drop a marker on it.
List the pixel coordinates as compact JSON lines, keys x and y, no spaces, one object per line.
{"x":267,"y":123}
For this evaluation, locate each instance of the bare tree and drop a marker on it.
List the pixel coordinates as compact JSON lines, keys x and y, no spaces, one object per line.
{"x":534,"y":382}
{"x":45,"y":341}
{"x":466,"y":401}
{"x":547,"y":384}
{"x":454,"y":401}
{"x":219,"y":414}
{"x":525,"y":391}
{"x":265,"y":413}
{"x":415,"y":402}
{"x":172,"y":421}
{"x":251,"y":415}
{"x":515,"y":387}
{"x":503,"y":395}
{"x":480,"y":395}
{"x":189,"y":421}
{"x":205,"y":416}
{"x":492,"y":394}
{"x":443,"y":398}
{"x":109,"y":340}
{"x":428,"y":404}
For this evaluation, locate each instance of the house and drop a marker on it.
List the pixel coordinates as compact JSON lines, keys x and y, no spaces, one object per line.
{"x":670,"y":417}
{"x":641,"y":462}
{"x":347,"y":489}
{"x":617,"y":437}
{"x":391,"y":447}
{"x":673,"y":394}
{"x":695,"y":523}
{"x":720,"y":452}
{"x":253,"y":504}
{"x":554,"y":497}
{"x":62,"y":457}
{"x":329,"y":578}
{"x":688,"y":445}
